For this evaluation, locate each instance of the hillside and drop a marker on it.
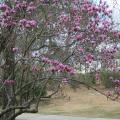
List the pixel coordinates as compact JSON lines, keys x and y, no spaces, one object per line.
{"x":82,"y":102}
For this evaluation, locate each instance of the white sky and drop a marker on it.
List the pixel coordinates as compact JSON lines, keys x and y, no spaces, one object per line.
{"x":115,"y":7}
{"x":114,"y":3}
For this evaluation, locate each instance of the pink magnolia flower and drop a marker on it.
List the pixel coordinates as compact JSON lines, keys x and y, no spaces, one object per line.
{"x":79,"y":37}
{"x":15,"y":49}
{"x":4,"y":7}
{"x":97,"y":76}
{"x":34,"y":69}
{"x":109,"y":93}
{"x":81,"y":50}
{"x":116,"y":81}
{"x":89,"y":57}
{"x":63,"y":18}
{"x":28,"y":23}
{"x":31,"y":7}
{"x":9,"y":82}
{"x":46,"y":60}
{"x":58,"y":66}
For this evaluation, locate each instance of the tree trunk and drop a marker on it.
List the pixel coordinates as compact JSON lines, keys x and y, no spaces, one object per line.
{"x":8,"y":98}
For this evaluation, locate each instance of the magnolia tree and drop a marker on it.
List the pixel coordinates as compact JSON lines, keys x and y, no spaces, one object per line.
{"x":41,"y":41}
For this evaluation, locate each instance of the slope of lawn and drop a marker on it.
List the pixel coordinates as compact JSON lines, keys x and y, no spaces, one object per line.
{"x":82,"y":102}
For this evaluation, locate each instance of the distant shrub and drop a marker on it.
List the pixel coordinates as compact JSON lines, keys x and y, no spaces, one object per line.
{"x":105,"y":78}
{"x":40,"y":91}
{"x":87,"y":78}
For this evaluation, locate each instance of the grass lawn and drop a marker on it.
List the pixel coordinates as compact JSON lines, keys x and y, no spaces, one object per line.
{"x":83,"y":102}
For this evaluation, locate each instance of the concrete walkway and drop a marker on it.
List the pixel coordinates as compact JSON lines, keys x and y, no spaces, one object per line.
{"x":55,"y":117}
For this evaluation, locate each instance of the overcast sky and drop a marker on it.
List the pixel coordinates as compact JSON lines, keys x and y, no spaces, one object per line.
{"x":115,"y":7}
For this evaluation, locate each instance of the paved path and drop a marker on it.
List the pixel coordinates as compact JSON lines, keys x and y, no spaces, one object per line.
{"x":55,"y":117}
